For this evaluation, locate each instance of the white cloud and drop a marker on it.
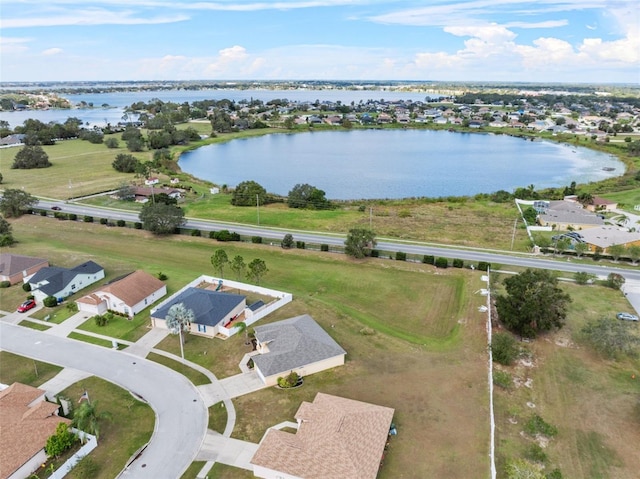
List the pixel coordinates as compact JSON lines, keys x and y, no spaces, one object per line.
{"x":13,"y":45}
{"x":52,"y":51}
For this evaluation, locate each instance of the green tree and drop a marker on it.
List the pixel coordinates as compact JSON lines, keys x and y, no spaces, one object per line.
{"x":616,"y":251}
{"x":289,"y":123}
{"x":581,"y":248}
{"x":161,"y":219}
{"x":307,"y":196}
{"x":504,"y":348}
{"x":219,"y":260}
{"x":613,"y":338}
{"x":582,"y":277}
{"x":530,"y":215}
{"x":633,"y":252}
{"x":87,"y":418}
{"x":249,"y":193}
{"x":126,"y":192}
{"x":359,"y":242}
{"x":562,"y":244}
{"x":15,"y":202}
{"x":31,"y":156}
{"x":112,"y":142}
{"x":287,"y":241}
{"x":615,"y":280}
{"x":60,"y":442}
{"x":533,"y":303}
{"x":6,"y":233}
{"x":634,"y":148}
{"x":256,"y":270}
{"x":125,"y":163}
{"x":178,"y":321}
{"x":238,"y":266}
{"x":135,"y":144}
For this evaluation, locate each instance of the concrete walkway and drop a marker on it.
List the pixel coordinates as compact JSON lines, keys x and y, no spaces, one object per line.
{"x":63,"y":380}
{"x":631,"y":289}
{"x":232,"y":452}
{"x":241,"y":384}
{"x":67,"y":326}
{"x":143,"y":346}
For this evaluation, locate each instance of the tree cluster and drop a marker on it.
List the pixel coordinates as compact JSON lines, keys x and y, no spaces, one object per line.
{"x":31,"y":156}
{"x":307,"y":196}
{"x":254,"y":271}
{"x":359,"y":243}
{"x":15,"y":202}
{"x":161,"y":219}
{"x":126,"y":163}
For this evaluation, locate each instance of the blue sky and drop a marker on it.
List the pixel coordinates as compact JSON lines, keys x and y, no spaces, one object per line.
{"x":428,"y":40}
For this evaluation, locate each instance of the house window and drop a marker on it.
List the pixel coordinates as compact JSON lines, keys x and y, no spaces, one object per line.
{"x":73,"y":286}
{"x":202,"y":328}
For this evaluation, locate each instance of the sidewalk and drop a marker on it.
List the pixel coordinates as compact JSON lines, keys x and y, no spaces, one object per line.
{"x":63,"y":380}
{"x":66,"y":327}
{"x":241,"y":384}
{"x":146,"y":343}
{"x":232,"y":452}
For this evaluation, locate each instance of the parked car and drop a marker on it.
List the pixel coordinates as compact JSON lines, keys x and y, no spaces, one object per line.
{"x":26,"y":306}
{"x":627,"y":317}
{"x":56,"y":208}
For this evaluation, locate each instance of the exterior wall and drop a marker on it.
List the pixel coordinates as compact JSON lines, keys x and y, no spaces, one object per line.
{"x":30,"y":466}
{"x":265,"y":473}
{"x":93,"y":308}
{"x":565,"y":226}
{"x":304,"y":370}
{"x":592,"y":247}
{"x":79,"y":282}
{"x":18,"y":277}
{"x":149,"y":300}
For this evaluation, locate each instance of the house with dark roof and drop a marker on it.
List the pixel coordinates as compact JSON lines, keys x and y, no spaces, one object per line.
{"x":16,"y":268}
{"x":336,"y":438}
{"x":214,"y":311}
{"x":296,"y":344}
{"x":26,"y":421}
{"x":127,"y":295}
{"x":63,"y":282}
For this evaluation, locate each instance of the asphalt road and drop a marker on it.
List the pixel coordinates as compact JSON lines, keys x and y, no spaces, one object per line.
{"x":181,"y":415}
{"x":276,"y":235}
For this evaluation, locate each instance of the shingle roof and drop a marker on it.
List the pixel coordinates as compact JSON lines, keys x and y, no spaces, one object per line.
{"x":337,"y":437}
{"x":25,"y":428}
{"x":133,"y":288}
{"x":607,"y":236}
{"x":569,"y":212}
{"x":293,"y":343}
{"x":209,"y":307}
{"x":58,"y":278}
{"x":11,"y":264}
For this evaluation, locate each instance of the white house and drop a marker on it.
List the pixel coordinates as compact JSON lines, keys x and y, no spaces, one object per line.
{"x":296,"y":344}
{"x":128,"y":295}
{"x":151,"y":181}
{"x":62,"y":282}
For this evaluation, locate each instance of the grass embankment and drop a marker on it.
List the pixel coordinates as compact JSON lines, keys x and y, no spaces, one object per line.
{"x":432,"y":350}
{"x":592,"y":401}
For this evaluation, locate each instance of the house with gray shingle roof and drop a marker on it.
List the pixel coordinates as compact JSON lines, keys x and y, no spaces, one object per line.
{"x":63,"y":282}
{"x":212,"y":310}
{"x":15,"y":268}
{"x":567,"y":215}
{"x":296,"y":344}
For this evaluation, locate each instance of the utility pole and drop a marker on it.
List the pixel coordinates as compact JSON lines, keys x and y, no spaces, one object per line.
{"x":258,"y":207}
{"x":513,"y":236}
{"x":371,"y":218}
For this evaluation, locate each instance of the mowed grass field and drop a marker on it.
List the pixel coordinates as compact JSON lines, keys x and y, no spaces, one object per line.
{"x":594,"y":402}
{"x":414,"y":337}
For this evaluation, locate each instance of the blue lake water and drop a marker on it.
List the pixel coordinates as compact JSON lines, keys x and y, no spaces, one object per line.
{"x":397,"y":163}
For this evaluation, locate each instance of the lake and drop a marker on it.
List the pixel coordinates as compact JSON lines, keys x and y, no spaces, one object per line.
{"x":118,"y":101}
{"x":393,"y":164}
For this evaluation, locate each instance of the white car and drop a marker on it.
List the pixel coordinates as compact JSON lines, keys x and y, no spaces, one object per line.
{"x":627,"y":317}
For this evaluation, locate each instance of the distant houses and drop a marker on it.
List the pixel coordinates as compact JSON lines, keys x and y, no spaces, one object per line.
{"x":16,"y":268}
{"x":63,"y":282}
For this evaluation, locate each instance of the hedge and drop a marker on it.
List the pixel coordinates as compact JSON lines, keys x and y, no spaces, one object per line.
{"x":442,"y":262}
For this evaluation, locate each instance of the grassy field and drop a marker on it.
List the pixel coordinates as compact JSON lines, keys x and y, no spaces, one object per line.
{"x":14,"y":368}
{"x":589,"y":399}
{"x":191,"y":374}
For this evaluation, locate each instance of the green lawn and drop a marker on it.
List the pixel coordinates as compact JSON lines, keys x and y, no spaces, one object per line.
{"x":196,"y":377}
{"x":121,"y":328}
{"x":33,"y":325}
{"x":93,"y":340}
{"x":14,"y":368}
{"x":217,"y":417}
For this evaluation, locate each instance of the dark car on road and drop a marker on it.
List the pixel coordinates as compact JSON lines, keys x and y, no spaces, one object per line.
{"x":56,"y":208}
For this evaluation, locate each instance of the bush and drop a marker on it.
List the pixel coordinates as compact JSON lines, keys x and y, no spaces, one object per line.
{"x":484,"y":266}
{"x":61,"y":441}
{"x":287,"y":241}
{"x":161,"y":276}
{"x":196,"y":233}
{"x":101,"y":320}
{"x":87,"y":467}
{"x":555,"y":474}
{"x":121,"y":223}
{"x":442,"y":262}
{"x":43,"y":213}
{"x":502,"y":379}
{"x":535,"y":453}
{"x":324,"y":247}
{"x":582,"y":277}
{"x":103,"y":221}
{"x":88,"y":219}
{"x":137,"y":225}
{"x":5,"y":284}
{"x":289,"y":381}
{"x":428,"y":259}
{"x":536,"y":425}
{"x":256,"y":239}
{"x":300,"y":244}
{"x":212,"y":234}
{"x":50,"y":302}
{"x":401,"y":256}
{"x":504,"y":348}
{"x":375,"y":253}
{"x":458,"y":263}
{"x":223,"y":235}
{"x":73,"y":307}
{"x":615,"y":281}
{"x":26,"y":287}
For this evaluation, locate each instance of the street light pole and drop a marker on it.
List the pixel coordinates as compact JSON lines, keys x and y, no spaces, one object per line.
{"x":258,"y":208}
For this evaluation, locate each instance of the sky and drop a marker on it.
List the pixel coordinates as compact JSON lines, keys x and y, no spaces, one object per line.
{"x":569,"y":41}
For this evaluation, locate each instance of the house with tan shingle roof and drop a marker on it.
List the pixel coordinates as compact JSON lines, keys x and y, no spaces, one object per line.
{"x":27,"y":420}
{"x":127,"y":295}
{"x":336,"y":438}
{"x":16,"y":268}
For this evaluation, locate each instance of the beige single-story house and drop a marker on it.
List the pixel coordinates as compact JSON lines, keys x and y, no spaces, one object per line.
{"x":336,"y":438}
{"x":601,"y":204}
{"x":16,"y":268}
{"x":214,"y":311}
{"x":606,"y":236}
{"x":63,"y":282}
{"x":127,"y":295}
{"x":26,"y":421}
{"x":294,"y":345}
{"x":568,"y":215}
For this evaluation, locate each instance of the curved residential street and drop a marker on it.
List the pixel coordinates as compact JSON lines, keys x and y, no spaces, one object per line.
{"x":181,"y":413}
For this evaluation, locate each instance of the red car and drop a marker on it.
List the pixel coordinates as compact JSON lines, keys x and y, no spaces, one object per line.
{"x":26,"y":306}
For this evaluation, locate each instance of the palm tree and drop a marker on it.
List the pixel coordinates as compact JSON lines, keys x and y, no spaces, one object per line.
{"x":179,"y":319}
{"x":87,"y":418}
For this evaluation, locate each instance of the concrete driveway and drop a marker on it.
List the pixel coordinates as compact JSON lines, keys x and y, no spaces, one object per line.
{"x":181,"y":415}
